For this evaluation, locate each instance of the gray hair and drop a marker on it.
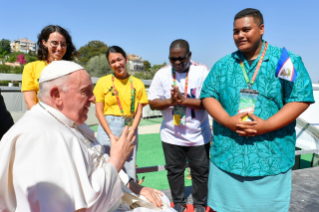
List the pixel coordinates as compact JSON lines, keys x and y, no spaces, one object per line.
{"x":44,"y":88}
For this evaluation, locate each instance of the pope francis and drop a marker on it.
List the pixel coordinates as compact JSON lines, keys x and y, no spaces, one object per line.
{"x":50,"y":160}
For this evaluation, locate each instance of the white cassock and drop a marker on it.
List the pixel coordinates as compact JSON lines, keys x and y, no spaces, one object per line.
{"x":44,"y":166}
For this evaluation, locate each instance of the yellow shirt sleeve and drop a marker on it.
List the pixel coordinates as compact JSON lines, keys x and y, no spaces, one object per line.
{"x":28,"y":78}
{"x":31,"y":74}
{"x":141,"y":92}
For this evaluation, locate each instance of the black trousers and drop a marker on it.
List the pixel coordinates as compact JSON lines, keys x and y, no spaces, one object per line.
{"x":198,"y":159}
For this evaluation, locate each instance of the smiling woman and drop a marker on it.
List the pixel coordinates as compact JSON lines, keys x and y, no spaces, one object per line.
{"x":119,"y":101}
{"x":54,"y":43}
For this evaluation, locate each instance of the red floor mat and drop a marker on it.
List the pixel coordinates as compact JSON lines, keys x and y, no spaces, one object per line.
{"x":190,"y":208}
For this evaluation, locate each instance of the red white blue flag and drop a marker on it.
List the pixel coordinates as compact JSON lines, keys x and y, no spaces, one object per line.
{"x":285,"y":69}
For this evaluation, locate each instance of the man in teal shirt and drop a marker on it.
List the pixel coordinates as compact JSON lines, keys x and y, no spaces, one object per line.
{"x":250,"y":167}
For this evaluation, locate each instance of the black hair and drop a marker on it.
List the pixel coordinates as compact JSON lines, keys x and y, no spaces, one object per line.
{"x":250,"y":12}
{"x":115,"y":49}
{"x":44,"y":35}
{"x":180,"y":43}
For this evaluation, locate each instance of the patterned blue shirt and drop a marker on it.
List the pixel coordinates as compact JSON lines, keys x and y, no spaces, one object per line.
{"x":268,"y":154}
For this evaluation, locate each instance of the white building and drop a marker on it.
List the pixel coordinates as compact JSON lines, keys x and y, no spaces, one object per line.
{"x":135,"y":63}
{"x":23,"y":45}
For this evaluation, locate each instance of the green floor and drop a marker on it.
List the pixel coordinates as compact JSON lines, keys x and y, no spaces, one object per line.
{"x":150,"y":153}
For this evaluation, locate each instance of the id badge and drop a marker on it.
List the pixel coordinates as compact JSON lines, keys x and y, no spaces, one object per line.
{"x":179,"y":115}
{"x":247,"y":102}
{"x":129,"y":120}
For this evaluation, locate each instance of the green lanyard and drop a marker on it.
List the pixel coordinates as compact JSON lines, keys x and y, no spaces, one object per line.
{"x":251,"y":82}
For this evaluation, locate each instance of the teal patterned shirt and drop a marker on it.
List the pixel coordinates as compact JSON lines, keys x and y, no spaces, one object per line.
{"x":268,"y":154}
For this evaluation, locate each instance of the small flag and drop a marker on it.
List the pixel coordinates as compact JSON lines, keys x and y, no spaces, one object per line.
{"x":285,"y":69}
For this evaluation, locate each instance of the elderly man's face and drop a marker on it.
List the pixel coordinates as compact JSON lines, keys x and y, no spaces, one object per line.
{"x":78,"y":98}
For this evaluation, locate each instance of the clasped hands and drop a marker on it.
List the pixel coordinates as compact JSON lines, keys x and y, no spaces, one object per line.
{"x":258,"y":126}
{"x":176,"y":96}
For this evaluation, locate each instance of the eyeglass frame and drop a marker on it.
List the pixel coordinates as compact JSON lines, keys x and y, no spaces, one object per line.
{"x":58,"y":44}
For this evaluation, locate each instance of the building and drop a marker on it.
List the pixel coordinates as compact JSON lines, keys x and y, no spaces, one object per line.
{"x":13,"y":64}
{"x":23,"y":45}
{"x":135,"y":63}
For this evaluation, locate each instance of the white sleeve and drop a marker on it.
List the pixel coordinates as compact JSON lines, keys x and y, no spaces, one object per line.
{"x":123,"y":176}
{"x":156,"y":90}
{"x":201,"y":81}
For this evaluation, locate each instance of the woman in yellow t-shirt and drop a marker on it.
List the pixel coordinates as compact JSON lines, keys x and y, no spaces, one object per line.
{"x":54,"y":43}
{"x":119,"y":97}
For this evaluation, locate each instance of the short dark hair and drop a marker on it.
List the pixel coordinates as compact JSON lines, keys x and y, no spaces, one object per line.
{"x":180,"y":43}
{"x":44,"y":35}
{"x":250,"y":12}
{"x":115,"y":49}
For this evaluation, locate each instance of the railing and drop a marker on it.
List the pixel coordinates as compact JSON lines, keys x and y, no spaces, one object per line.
{"x":18,"y":78}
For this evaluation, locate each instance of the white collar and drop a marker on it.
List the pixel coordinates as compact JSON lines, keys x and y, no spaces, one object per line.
{"x":57,"y":114}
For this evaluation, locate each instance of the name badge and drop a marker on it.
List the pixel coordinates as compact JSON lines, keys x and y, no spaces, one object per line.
{"x":247,"y":102}
{"x":179,"y":115}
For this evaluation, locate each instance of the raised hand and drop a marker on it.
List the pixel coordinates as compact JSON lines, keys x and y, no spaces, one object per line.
{"x":121,"y":148}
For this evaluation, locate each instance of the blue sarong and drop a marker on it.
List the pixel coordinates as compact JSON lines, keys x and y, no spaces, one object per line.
{"x":228,"y":192}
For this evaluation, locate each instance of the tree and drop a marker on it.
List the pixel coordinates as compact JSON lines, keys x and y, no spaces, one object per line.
{"x":93,"y":48}
{"x":5,"y":46}
{"x":147,"y":65}
{"x":12,"y":58}
{"x":20,"y":59}
{"x":149,"y":74}
{"x":98,"y":66}
{"x":5,"y":69}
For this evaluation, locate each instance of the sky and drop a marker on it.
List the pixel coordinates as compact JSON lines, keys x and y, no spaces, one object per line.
{"x":147,"y":27}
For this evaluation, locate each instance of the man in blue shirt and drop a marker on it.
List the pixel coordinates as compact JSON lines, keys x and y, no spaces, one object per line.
{"x":250,"y":167}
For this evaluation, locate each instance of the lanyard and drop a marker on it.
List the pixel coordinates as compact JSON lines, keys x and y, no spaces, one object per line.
{"x":118,"y":99}
{"x":186,"y":82}
{"x":251,"y":82}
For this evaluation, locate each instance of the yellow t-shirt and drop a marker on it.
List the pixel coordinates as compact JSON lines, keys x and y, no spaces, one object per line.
{"x":31,"y":74}
{"x":103,"y":92}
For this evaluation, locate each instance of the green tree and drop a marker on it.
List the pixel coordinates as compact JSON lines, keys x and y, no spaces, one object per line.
{"x":147,"y":65}
{"x":18,"y":70}
{"x":93,"y":48}
{"x":5,"y":46}
{"x":150,"y":73}
{"x":12,"y":58}
{"x":98,"y":66}
{"x":5,"y":69}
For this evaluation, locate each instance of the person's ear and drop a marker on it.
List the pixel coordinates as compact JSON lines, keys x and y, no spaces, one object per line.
{"x":262,"y":29}
{"x":190,"y":55}
{"x":44,"y":43}
{"x":55,"y":95}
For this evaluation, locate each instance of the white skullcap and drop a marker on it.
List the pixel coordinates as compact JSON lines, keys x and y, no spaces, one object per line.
{"x":58,"y":69}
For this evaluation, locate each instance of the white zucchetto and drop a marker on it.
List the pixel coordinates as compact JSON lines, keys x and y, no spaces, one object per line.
{"x":58,"y":69}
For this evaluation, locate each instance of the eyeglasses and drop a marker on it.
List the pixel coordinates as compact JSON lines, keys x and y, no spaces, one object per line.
{"x":55,"y":44}
{"x":181,"y":59}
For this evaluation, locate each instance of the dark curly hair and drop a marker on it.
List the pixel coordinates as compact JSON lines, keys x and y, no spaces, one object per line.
{"x":44,"y":35}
